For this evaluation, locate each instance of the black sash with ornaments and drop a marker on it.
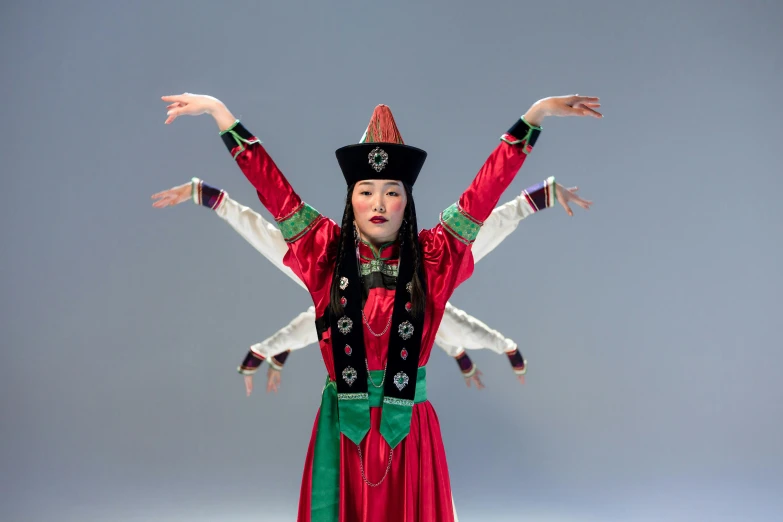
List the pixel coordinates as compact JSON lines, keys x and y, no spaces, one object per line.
{"x":347,"y":337}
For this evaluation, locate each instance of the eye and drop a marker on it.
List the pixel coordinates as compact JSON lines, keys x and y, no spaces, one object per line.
{"x":393,"y":193}
{"x":365,"y":193}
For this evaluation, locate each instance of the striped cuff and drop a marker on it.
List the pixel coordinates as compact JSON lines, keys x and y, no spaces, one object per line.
{"x":518,"y":363}
{"x":540,"y":196}
{"x":251,"y":363}
{"x":277,"y":361}
{"x":206,"y":195}
{"x":466,"y":366}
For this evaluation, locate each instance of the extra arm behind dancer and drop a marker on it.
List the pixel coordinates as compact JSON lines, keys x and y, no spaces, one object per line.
{"x":381,"y":286}
{"x":457,"y":332}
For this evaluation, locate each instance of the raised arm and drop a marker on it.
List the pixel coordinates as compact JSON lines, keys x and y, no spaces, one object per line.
{"x":445,"y":246}
{"x":307,"y":233}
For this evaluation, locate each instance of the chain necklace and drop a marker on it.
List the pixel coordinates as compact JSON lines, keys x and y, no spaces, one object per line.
{"x":367,"y":364}
{"x":367,"y":323}
{"x":364,"y":476}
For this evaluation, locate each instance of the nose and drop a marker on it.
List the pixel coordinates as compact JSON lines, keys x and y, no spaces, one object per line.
{"x":377,"y":206}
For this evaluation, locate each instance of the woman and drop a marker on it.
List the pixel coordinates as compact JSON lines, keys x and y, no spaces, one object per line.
{"x":380,"y":286}
{"x":458,"y":330}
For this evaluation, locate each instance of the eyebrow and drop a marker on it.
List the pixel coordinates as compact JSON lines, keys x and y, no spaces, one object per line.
{"x":395,"y":183}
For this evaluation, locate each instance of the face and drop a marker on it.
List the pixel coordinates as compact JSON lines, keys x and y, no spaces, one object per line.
{"x":378,"y":209}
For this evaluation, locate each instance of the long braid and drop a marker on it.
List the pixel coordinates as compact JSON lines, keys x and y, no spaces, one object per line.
{"x":418,"y":297}
{"x":345,"y":244}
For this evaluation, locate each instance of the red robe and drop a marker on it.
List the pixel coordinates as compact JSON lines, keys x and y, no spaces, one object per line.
{"x":417,"y":488}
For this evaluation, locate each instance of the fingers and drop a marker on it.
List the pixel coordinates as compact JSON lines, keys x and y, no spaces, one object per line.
{"x":172,"y":114}
{"x":565,"y":206}
{"x":590,"y":112}
{"x":585,"y":99}
{"x":174,"y":98}
{"x":584,"y":203}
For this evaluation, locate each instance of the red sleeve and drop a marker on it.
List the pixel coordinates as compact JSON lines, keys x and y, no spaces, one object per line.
{"x":310,"y":236}
{"x":446,"y":247}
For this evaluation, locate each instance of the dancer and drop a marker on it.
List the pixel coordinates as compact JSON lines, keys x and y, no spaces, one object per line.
{"x":376,"y":452}
{"x":458,"y":330}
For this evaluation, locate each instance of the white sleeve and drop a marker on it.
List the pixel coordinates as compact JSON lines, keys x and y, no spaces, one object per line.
{"x":505,"y":219}
{"x":297,"y":334}
{"x":472,"y":333}
{"x":263,"y":235}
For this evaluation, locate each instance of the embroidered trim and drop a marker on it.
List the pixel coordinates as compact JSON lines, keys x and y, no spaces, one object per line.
{"x":470,"y":373}
{"x":459,"y":224}
{"x":352,"y":396}
{"x":377,"y":265}
{"x":244,"y":370}
{"x":274,"y":365}
{"x":240,"y":141}
{"x":527,"y":149}
{"x":397,"y":402}
{"x":298,"y":223}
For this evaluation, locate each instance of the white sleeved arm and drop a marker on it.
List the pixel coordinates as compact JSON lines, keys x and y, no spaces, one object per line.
{"x":296,"y":335}
{"x":264,"y":236}
{"x":505,"y":219}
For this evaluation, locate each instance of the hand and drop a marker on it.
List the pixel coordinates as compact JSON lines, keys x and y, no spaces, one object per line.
{"x":566,"y":195}
{"x":173,"y":196}
{"x":521,"y":378}
{"x":573,"y":105}
{"x":248,"y":384}
{"x":273,"y":379}
{"x":189,"y":105}
{"x":476,"y":377}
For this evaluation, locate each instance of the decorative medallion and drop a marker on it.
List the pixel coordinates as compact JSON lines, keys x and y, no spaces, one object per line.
{"x":343,"y":283}
{"x":348,"y":350}
{"x":400,"y":380}
{"x":404,"y":354}
{"x":408,"y":306}
{"x":344,"y":324}
{"x":408,"y":286}
{"x":349,"y":376}
{"x":378,"y":159}
{"x":405,"y":330}
{"x":343,"y":301}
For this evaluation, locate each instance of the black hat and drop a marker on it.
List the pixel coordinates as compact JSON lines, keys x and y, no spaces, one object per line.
{"x":381,"y":154}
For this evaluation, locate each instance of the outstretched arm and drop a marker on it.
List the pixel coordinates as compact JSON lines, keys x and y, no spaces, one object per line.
{"x":260,"y":233}
{"x":506,"y":218}
{"x":297,"y":334}
{"x":473,"y":334}
{"x":306,"y":231}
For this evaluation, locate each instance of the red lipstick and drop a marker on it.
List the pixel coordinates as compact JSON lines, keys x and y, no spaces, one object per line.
{"x":378,"y":220}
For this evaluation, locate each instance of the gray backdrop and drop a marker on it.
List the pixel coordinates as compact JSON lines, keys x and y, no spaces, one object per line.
{"x":648,"y":323}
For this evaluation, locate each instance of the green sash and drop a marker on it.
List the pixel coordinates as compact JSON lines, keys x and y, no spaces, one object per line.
{"x":325,"y":494}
